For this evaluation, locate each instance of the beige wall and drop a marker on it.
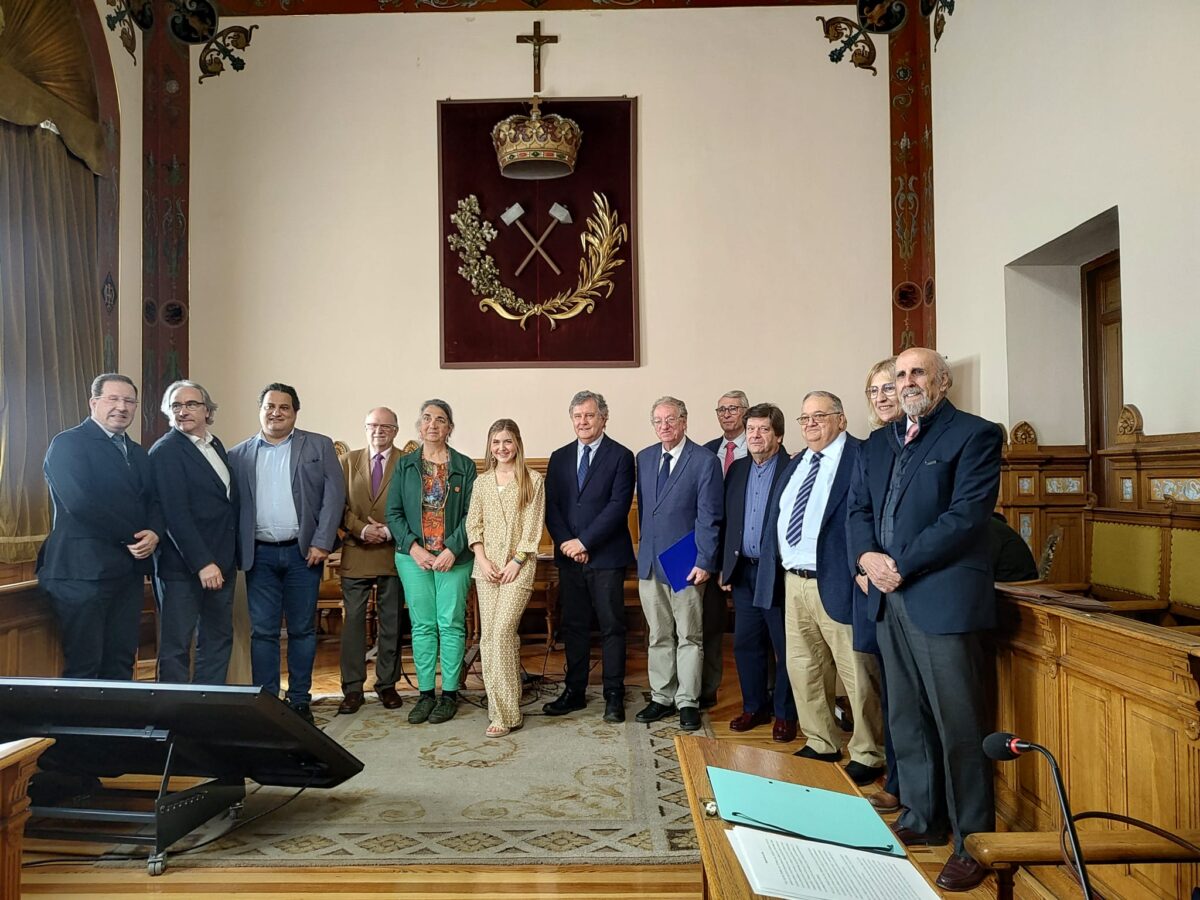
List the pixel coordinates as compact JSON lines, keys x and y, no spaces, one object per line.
{"x":1044,"y":116}
{"x":315,"y":238}
{"x":128,"y":79}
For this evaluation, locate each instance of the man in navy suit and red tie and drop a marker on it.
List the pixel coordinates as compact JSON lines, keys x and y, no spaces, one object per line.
{"x":589,"y":489}
{"x":918,"y":529}
{"x":107,"y":524}
{"x":196,"y":566}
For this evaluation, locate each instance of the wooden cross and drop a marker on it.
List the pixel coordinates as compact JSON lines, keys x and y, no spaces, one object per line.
{"x":537,"y":39}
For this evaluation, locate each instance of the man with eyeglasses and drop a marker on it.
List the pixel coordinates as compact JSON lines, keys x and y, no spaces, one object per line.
{"x":918,"y":526}
{"x":805,"y":544}
{"x":293,"y":496}
{"x":679,"y":492}
{"x":369,"y":563}
{"x":196,"y":567}
{"x":107,"y":524}
{"x":729,"y":447}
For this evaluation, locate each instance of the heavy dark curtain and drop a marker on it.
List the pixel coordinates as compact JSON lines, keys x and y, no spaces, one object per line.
{"x":50,"y":344}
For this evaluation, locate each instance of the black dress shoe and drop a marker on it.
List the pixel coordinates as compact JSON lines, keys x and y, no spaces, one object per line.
{"x":807,"y":752}
{"x":910,"y":838}
{"x":960,"y":873}
{"x":389,"y":698}
{"x":351,"y":703}
{"x":654,"y":711}
{"x":861,"y":774}
{"x":304,"y":711}
{"x":614,"y":708}
{"x":567,"y":701}
{"x":707,"y":702}
{"x":689,"y":718}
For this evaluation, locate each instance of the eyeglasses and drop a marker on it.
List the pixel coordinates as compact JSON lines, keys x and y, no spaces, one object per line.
{"x":816,"y":418}
{"x":728,"y":410}
{"x":669,"y":422}
{"x":374,"y":426}
{"x":189,"y":405}
{"x":888,"y":390}
{"x":119,"y":401}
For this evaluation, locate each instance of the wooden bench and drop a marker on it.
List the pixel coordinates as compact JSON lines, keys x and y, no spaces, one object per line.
{"x":1006,"y":851}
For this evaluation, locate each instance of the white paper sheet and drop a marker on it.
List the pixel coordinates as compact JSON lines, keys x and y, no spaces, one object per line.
{"x":777,"y":865}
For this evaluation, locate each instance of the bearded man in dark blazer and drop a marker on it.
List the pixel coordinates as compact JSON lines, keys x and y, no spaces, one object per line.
{"x":196,"y":566}
{"x":107,"y":524}
{"x":918,"y":524}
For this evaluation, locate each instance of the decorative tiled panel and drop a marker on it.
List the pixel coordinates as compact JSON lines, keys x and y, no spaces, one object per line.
{"x":1025,"y":486}
{"x":1025,"y":527}
{"x":1064,"y":485}
{"x":1127,"y":489}
{"x":1181,"y":489}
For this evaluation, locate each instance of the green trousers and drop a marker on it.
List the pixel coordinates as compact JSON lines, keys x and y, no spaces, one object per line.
{"x":437,"y":609}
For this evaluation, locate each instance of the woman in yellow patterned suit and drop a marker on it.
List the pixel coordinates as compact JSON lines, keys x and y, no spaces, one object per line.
{"x":504,"y":527}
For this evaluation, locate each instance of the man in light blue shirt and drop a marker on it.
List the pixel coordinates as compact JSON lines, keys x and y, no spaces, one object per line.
{"x":293,"y":495}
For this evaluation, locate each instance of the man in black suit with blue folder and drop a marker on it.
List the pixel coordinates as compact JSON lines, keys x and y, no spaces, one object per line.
{"x":679,"y":490}
{"x":589,"y":489}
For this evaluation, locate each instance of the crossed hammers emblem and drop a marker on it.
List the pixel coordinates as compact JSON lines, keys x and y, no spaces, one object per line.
{"x":558,"y":213}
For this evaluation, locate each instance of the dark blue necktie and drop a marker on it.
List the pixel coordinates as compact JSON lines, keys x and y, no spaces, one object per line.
{"x":119,"y":440}
{"x":583,"y":464}
{"x":796,"y":522}
{"x":663,"y":474}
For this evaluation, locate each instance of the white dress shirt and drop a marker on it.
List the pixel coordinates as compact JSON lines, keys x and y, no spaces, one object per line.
{"x":804,"y":554}
{"x":209,"y":452}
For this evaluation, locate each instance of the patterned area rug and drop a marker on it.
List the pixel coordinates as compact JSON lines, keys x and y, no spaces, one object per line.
{"x":562,"y":790}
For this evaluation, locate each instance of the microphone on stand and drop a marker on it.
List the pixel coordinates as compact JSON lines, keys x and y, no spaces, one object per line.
{"x":1002,"y":746}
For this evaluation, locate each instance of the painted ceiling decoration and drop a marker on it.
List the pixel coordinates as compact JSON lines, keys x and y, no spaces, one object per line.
{"x":188,"y":22}
{"x":331,"y":7}
{"x":877,"y":17}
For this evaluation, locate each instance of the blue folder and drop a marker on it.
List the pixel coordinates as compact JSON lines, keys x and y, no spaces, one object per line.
{"x":678,"y":560}
{"x":819,"y":815}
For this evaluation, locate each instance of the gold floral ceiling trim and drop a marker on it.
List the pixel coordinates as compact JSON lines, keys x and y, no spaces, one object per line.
{"x":600,"y":240}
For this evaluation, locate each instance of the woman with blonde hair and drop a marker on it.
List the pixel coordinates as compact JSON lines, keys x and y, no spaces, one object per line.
{"x":504,"y":527}
{"x":883,"y":406}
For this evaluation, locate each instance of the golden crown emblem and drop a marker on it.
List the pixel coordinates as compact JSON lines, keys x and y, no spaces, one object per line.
{"x":536,"y":147}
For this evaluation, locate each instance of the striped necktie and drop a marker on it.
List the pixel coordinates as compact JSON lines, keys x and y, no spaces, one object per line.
{"x":581,"y":475}
{"x":119,"y":440}
{"x":796,"y":522}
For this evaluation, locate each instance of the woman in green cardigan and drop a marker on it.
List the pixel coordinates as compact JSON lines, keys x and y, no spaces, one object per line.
{"x":426,"y":513}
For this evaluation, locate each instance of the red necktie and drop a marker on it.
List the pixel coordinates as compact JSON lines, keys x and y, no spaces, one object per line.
{"x":729,"y":448}
{"x":911,"y":433}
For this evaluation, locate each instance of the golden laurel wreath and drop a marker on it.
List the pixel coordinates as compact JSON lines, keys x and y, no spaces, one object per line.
{"x":601,"y":240}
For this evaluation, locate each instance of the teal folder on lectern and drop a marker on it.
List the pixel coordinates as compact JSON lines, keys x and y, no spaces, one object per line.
{"x":807,"y":812}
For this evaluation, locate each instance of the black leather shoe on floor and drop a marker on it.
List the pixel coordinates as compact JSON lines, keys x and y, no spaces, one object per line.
{"x":861,"y":774}
{"x":653,"y":712}
{"x":807,"y":752}
{"x":351,"y":703}
{"x":567,"y":701}
{"x":614,"y":708}
{"x":390,"y":698}
{"x":304,"y":711}
{"x":689,"y":718}
{"x":960,"y":873}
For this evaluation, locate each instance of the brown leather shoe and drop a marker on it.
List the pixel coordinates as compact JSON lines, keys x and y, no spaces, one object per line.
{"x":960,"y":873}
{"x":883,"y":802}
{"x":351,"y":703}
{"x":910,"y":838}
{"x":746,"y":721}
{"x":389,"y":698}
{"x":784,"y":731}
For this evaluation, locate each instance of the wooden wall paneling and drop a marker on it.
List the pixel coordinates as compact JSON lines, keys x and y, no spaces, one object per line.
{"x":29,"y":644}
{"x":1069,"y":558}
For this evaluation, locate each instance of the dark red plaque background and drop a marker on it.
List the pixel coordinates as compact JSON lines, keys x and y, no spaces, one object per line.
{"x":608,"y":336}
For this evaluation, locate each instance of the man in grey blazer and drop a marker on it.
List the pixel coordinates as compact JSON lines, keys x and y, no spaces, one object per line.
{"x":293,"y":495}
{"x":679,"y":491}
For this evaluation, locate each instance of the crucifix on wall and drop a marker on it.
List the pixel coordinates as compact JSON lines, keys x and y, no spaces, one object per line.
{"x":537,"y":39}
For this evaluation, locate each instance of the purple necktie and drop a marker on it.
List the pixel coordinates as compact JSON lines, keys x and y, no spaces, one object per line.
{"x":376,"y":474}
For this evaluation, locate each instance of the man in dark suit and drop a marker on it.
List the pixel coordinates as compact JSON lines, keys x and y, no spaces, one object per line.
{"x":757,"y":627}
{"x":806,"y":546}
{"x":679,"y":493}
{"x":293,"y":495}
{"x":589,"y":489}
{"x":729,"y":447}
{"x":918,"y":531}
{"x":196,"y":567}
{"x":107,"y":523}
{"x":369,"y":563}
